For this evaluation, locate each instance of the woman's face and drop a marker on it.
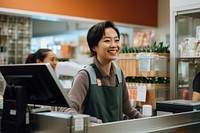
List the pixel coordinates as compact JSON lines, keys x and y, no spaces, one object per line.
{"x":108,"y":47}
{"x":51,"y":58}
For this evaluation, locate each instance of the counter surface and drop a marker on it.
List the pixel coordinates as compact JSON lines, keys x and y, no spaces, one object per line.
{"x":171,"y":123}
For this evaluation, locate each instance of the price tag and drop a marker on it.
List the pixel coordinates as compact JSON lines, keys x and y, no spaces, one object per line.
{"x":79,"y":124}
{"x":13,"y":112}
{"x":141,"y":93}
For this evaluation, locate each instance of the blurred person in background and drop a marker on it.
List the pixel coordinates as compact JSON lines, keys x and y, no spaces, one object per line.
{"x":65,"y":68}
{"x":43,"y":55}
{"x":196,"y":88}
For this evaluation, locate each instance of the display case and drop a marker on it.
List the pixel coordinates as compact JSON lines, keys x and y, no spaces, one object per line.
{"x":146,"y":71}
{"x":15,"y":38}
{"x":184,"y":47}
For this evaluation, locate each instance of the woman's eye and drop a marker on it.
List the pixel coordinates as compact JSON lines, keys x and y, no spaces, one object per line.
{"x":53,"y":59}
{"x":107,"y":40}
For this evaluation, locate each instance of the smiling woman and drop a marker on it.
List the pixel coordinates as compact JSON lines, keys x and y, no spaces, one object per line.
{"x":43,"y":56}
{"x":99,"y":89}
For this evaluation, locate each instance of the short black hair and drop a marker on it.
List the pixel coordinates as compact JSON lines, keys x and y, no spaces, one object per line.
{"x":96,"y":32}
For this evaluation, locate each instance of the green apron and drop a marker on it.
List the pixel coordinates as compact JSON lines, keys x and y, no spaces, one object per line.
{"x":104,"y":102}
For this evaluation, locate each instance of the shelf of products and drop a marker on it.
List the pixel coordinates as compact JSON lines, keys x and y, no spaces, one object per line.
{"x":185,"y":57}
{"x":15,"y":38}
{"x":185,"y":46}
{"x":146,"y":67}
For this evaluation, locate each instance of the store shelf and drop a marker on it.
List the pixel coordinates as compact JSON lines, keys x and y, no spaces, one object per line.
{"x":185,"y":48}
{"x":147,"y":70}
{"x":15,"y":38}
{"x":144,"y":64}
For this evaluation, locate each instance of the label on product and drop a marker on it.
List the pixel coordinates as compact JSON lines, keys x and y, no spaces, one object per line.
{"x":13,"y":112}
{"x":141,"y":93}
{"x":144,"y":64}
{"x":79,"y":124}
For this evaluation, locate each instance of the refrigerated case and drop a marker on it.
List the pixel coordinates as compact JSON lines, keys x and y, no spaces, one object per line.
{"x":184,"y":46}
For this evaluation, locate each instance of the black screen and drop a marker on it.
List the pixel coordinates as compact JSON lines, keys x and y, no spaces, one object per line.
{"x":40,"y":81}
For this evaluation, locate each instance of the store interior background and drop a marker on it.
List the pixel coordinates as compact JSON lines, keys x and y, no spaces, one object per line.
{"x":51,"y":31}
{"x":77,"y":29}
{"x":68,"y":33}
{"x":47,"y":30}
{"x":55,"y":29}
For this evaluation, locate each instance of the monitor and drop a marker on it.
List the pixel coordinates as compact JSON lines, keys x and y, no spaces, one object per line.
{"x":40,"y":81}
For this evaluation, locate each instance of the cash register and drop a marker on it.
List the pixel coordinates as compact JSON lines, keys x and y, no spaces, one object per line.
{"x":177,"y":106}
{"x":35,"y":84}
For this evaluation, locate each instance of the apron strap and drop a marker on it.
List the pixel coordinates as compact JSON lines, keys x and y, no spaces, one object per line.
{"x":93,"y":71}
{"x":98,"y":74}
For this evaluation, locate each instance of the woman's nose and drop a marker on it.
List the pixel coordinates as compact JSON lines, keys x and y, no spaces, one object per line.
{"x":113,"y":44}
{"x":55,"y":62}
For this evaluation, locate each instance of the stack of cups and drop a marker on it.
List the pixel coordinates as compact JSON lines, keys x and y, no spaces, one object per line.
{"x":147,"y":110}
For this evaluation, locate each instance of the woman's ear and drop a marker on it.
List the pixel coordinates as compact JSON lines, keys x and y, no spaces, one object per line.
{"x":94,"y":49}
{"x":38,"y":61}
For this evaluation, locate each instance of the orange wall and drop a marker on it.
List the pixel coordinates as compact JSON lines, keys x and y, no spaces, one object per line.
{"x":139,"y":12}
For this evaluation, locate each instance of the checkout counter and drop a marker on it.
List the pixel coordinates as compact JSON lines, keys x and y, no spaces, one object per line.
{"x":183,"y":116}
{"x":184,"y":122}
{"x":54,"y":122}
{"x":177,"y":106}
{"x":43,"y":88}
